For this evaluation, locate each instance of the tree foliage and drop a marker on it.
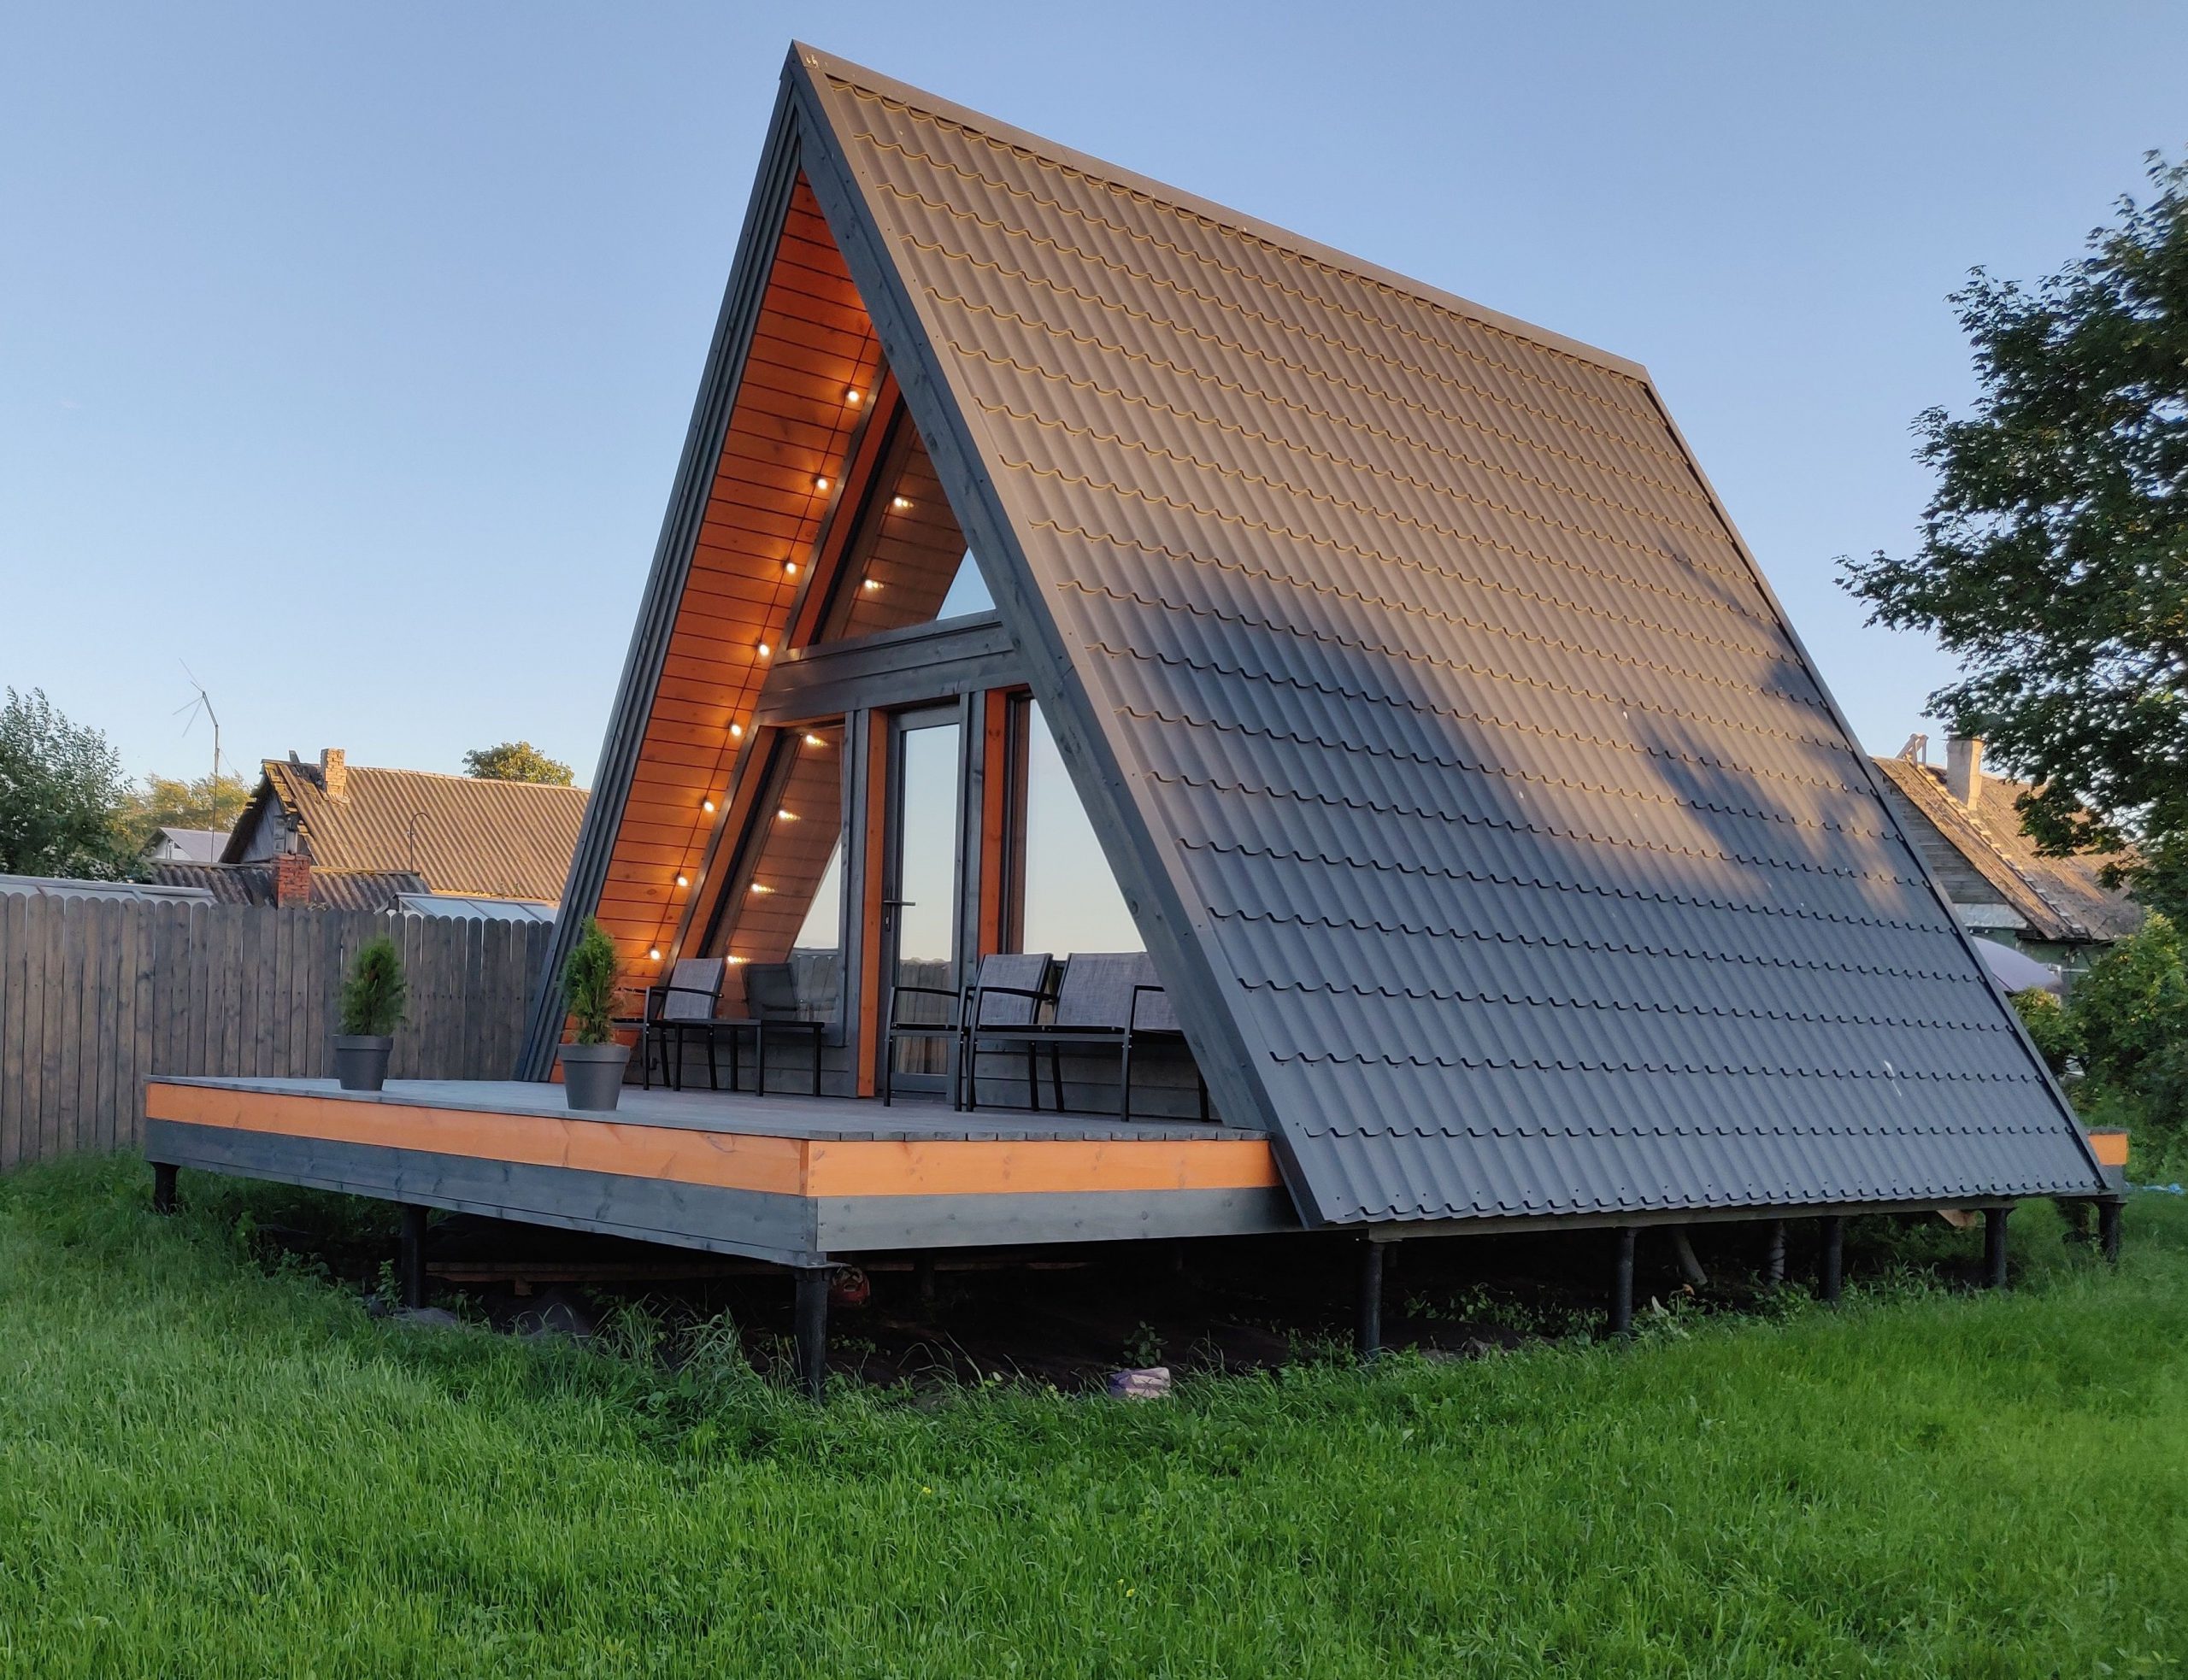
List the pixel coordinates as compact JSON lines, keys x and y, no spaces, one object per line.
{"x":588,"y":987}
{"x":62,"y":793}
{"x":2124,"y":1032}
{"x":375,"y":995}
{"x":516,"y":761}
{"x":2054,"y":560}
{"x":171,"y":802}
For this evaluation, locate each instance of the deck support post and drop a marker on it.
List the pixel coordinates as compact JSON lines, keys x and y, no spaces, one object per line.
{"x":410,"y":1264}
{"x":2108,"y":1228}
{"x":1831,"y":1264}
{"x":923,"y":1277}
{"x":163,"y":1177}
{"x":812,"y":1319}
{"x":1368,"y":1323}
{"x":1994,"y":1246}
{"x":1621,"y":1281}
{"x":1774,"y":1252}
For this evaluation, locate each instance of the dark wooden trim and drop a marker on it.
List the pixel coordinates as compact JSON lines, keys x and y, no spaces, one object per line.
{"x":897,"y":668}
{"x":872,"y":836}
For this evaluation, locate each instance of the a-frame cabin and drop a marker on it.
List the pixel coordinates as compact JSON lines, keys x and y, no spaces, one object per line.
{"x":1053,"y":551}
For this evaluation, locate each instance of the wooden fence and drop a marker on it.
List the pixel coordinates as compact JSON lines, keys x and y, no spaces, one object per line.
{"x":95,"y":993}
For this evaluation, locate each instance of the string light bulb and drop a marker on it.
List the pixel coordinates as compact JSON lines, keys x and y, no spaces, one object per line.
{"x":854,"y":397}
{"x":655,"y":953}
{"x":820,"y":482}
{"x":683,"y":880}
{"x":900,"y":503}
{"x":790,"y":568}
{"x":757,"y":887}
{"x":765,"y":650}
{"x":817,"y":740}
{"x":706,"y":805}
{"x":737,"y":728}
{"x":874,"y":582}
{"x":787,"y":816}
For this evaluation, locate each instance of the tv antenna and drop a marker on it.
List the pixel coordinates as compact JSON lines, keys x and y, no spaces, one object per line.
{"x":204,"y":704}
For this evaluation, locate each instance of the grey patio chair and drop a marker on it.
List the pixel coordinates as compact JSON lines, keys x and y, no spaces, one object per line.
{"x":669,"y":1010}
{"x":771,"y":1012}
{"x":1106,"y":999}
{"x":1007,"y":990}
{"x":1010,"y":991}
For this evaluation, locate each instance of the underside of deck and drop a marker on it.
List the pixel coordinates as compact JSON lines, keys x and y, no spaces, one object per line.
{"x":795,"y":1179}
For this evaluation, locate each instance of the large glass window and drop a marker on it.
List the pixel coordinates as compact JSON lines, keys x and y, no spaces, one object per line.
{"x":1067,"y":898}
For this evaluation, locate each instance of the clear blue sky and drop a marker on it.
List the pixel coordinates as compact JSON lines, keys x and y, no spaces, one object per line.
{"x":345,"y":352}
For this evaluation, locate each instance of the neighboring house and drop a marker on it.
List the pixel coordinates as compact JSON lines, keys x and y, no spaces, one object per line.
{"x":1967,"y":826}
{"x":358,"y":837}
{"x":187,"y":845}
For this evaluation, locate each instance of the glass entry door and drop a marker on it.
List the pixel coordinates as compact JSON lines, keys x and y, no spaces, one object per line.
{"x":919,"y":902}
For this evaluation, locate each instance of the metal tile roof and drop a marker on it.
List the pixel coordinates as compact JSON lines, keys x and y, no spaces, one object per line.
{"x":1496,"y":838}
{"x":462,"y":834}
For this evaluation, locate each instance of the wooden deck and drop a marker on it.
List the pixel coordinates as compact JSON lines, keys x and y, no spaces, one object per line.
{"x":795,"y":1179}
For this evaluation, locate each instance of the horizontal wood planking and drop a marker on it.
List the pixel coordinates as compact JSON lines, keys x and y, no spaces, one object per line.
{"x":97,"y":995}
{"x":790,"y":425}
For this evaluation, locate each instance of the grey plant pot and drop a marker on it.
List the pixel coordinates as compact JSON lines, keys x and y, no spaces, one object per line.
{"x":593,"y":1074}
{"x":361,"y":1060}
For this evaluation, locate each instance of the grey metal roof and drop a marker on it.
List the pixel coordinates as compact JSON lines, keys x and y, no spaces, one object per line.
{"x":62,"y":886}
{"x":1500,"y":846}
{"x":372,"y":889}
{"x":485,"y":909}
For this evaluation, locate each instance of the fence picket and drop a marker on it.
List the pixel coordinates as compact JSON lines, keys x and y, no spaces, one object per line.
{"x":97,"y":994}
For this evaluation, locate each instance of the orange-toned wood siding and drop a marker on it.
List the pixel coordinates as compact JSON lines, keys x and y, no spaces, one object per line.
{"x":801,"y":834}
{"x":790,"y":427}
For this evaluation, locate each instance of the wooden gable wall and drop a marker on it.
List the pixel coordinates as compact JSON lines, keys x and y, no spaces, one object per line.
{"x":791,"y":428}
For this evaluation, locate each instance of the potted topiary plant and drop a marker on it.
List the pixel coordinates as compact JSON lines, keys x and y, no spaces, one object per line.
{"x":592,"y":1066}
{"x":373,"y":999}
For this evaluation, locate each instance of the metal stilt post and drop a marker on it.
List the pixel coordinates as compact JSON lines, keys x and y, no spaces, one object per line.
{"x":1621,"y":1283}
{"x":813,"y":1329}
{"x":163,"y":1177}
{"x":1773,"y":1253}
{"x":410,"y":1265}
{"x":1994,"y":1246}
{"x":2108,"y":1228}
{"x":1367,"y":1330}
{"x":923,"y":1277}
{"x":1831,"y":1264}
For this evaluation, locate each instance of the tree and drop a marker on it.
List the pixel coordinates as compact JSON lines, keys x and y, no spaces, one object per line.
{"x":2054,"y":560}
{"x":61,"y":796}
{"x":169,"y":802}
{"x":516,"y":761}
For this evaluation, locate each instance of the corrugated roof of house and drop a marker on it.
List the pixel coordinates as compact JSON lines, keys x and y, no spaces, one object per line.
{"x":2061,"y":898}
{"x":1505,"y":825}
{"x":331,"y":889}
{"x":461,"y":834}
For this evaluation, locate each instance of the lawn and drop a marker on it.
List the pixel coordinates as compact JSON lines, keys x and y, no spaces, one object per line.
{"x":206,"y":1468}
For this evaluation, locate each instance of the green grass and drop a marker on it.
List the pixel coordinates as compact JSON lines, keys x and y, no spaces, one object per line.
{"x":208,"y":1469}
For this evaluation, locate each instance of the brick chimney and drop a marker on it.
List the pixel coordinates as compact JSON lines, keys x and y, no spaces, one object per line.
{"x":334,"y":771}
{"x":1963,"y":767}
{"x":291,"y":878}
